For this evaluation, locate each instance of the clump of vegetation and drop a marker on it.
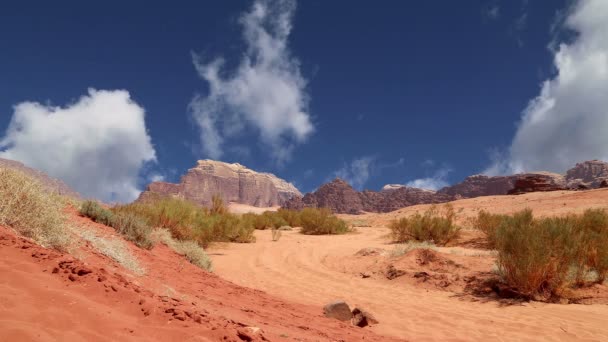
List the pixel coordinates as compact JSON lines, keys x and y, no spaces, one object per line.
{"x":320,"y":221}
{"x":436,"y":225}
{"x":187,"y":221}
{"x":31,"y":210}
{"x":189,"y":249}
{"x":488,"y":223}
{"x":114,"y":248}
{"x":542,"y":257}
{"x":127,"y":224}
{"x":405,"y":248}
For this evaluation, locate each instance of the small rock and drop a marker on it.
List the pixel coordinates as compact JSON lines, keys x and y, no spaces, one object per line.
{"x":101,"y":278}
{"x":248,"y":333}
{"x":362,"y":318}
{"x":338,"y":310}
{"x":364,"y":275}
{"x":72,"y":277}
{"x":55,"y":270}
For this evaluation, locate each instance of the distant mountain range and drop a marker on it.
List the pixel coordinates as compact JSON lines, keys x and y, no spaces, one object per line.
{"x":339,"y":196}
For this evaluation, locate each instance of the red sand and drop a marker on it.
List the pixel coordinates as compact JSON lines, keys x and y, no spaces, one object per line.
{"x":43,"y":298}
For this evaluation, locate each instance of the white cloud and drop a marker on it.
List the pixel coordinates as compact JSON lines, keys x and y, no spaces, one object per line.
{"x":265,"y":93}
{"x":492,"y":11}
{"x":567,"y":122}
{"x":435,"y":182}
{"x":97,"y":145}
{"x":357,"y":172}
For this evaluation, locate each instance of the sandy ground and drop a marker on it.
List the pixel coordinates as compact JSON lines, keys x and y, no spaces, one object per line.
{"x":238,"y":208}
{"x":315,"y":270}
{"x":46,"y":295}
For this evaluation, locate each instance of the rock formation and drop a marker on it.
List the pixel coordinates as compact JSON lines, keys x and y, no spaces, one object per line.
{"x":340,"y":197}
{"x":589,"y":174}
{"x":233,"y":182}
{"x":540,"y":181}
{"x":51,"y":184}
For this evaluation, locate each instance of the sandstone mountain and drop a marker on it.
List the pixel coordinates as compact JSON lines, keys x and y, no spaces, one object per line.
{"x":48,"y":182}
{"x":233,"y":182}
{"x":342,"y":198}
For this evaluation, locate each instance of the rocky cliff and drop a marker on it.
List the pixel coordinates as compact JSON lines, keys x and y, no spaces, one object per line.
{"x":233,"y":182}
{"x":589,"y":174}
{"x":342,"y":198}
{"x":51,"y":184}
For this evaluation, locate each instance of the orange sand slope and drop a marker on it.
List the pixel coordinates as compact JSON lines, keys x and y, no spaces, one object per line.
{"x":48,"y":296}
{"x":314,"y":270}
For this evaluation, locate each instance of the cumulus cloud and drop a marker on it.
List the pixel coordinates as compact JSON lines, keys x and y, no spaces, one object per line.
{"x":437,"y":181}
{"x":357,"y":172}
{"x":266,"y":93}
{"x":97,"y":145}
{"x":567,"y":122}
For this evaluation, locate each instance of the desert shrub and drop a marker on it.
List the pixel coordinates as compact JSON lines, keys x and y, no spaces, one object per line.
{"x":227,"y":227}
{"x":291,"y":217}
{"x":129,"y":225}
{"x":189,"y":249}
{"x":533,"y":255}
{"x":436,"y":225}
{"x":315,"y":221}
{"x":31,"y":210}
{"x":591,"y":235}
{"x":187,"y":221}
{"x":488,"y":223}
{"x":542,"y":257}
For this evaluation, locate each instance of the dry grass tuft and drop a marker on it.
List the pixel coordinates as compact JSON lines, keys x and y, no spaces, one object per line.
{"x":405,"y":248}
{"x":189,"y":249}
{"x":32,"y":211}
{"x":112,"y":248}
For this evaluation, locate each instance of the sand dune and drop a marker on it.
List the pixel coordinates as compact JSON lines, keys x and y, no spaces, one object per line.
{"x":51,"y":296}
{"x":314,"y":270}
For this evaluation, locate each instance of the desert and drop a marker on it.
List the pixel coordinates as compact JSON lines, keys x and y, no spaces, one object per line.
{"x":304,"y":171}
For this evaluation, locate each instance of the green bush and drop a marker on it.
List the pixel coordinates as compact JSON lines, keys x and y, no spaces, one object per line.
{"x":31,"y":210}
{"x":435,"y":225}
{"x":127,"y":224}
{"x":315,"y":221}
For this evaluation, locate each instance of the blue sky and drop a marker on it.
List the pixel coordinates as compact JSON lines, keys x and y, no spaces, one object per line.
{"x":420,"y":92}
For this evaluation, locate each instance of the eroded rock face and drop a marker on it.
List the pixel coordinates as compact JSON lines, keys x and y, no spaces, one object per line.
{"x":589,"y":174}
{"x":233,"y":182}
{"x":480,"y":185}
{"x":52,"y":184}
{"x":534,"y":182}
